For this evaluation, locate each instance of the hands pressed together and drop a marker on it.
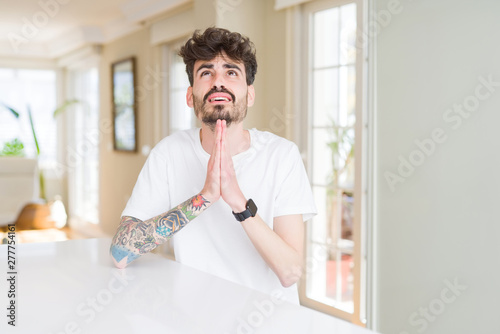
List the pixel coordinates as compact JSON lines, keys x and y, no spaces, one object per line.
{"x":221,"y":178}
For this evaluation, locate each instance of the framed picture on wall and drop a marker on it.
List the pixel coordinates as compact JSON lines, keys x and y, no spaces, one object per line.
{"x":124,"y":105}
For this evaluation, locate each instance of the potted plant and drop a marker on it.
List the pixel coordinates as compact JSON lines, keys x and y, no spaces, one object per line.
{"x":339,"y":235}
{"x":13,"y":148}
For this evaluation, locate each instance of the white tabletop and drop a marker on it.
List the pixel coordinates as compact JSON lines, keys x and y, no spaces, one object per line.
{"x":72,"y":287}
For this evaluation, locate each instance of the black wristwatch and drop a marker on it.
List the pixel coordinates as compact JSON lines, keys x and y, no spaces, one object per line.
{"x":251,"y":211}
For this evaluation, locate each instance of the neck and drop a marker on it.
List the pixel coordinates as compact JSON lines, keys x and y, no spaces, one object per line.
{"x":237,"y":139}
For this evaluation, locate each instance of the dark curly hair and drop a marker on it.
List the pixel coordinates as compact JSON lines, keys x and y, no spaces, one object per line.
{"x":213,"y":42}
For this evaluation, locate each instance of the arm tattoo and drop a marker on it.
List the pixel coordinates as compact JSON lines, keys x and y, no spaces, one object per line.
{"x":136,"y":237}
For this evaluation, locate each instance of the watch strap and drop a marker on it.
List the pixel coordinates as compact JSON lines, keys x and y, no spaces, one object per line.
{"x":251,"y":211}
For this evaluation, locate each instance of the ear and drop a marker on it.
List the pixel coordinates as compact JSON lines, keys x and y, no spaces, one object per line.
{"x":189,"y":97}
{"x":250,"y":96}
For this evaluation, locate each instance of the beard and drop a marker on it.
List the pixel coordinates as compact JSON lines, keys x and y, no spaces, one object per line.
{"x":234,"y":112}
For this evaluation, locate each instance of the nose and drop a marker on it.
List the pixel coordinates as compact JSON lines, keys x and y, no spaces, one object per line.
{"x":218,"y":81}
{"x":218,"y":88}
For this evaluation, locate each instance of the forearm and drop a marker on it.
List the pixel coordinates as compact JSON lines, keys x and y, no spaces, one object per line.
{"x":283,"y":259}
{"x":136,"y":237}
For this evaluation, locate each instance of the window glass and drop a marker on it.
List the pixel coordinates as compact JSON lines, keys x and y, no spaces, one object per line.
{"x":35,"y":90}
{"x":333,"y":96}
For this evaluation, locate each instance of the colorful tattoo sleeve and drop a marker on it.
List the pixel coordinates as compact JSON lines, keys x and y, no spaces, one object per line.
{"x":136,"y":237}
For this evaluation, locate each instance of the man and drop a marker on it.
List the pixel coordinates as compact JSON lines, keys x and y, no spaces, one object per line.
{"x":222,"y":174}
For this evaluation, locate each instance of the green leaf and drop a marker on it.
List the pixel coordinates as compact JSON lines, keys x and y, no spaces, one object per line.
{"x":64,"y":106}
{"x":15,"y":113}
{"x":13,"y":148}
{"x":33,"y":130}
{"x":189,"y":214}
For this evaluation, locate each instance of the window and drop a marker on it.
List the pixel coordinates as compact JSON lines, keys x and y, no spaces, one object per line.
{"x":82,"y":160}
{"x":334,"y":73}
{"x":35,"y":89}
{"x":180,"y":116}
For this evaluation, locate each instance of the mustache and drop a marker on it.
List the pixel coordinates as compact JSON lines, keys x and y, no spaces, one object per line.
{"x":221,"y":90}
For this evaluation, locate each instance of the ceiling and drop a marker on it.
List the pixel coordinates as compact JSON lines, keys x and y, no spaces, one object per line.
{"x":52,"y":28}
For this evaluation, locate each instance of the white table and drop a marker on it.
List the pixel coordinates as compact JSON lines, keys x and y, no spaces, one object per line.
{"x":72,"y":287}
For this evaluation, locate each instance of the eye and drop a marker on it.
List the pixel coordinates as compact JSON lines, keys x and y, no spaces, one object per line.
{"x":232,"y":73}
{"x":204,"y":73}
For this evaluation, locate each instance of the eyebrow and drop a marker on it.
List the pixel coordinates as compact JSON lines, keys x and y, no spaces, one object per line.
{"x":206,"y":65}
{"x":233,"y":66}
{"x":226,"y":65}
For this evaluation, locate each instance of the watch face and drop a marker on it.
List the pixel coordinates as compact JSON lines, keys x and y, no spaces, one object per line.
{"x":250,"y":211}
{"x":252,"y":207}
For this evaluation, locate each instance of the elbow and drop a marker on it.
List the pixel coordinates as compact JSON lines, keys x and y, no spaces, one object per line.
{"x":120,"y":260}
{"x":291,"y":276}
{"x":120,"y":265}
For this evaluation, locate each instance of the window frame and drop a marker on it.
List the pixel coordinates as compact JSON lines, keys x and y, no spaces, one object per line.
{"x":73,"y":79}
{"x":167,"y":60}
{"x":303,"y":83}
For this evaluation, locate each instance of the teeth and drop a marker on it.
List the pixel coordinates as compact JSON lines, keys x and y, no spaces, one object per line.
{"x":220,"y":99}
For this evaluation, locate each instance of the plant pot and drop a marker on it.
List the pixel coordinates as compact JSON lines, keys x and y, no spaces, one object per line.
{"x":35,"y":216}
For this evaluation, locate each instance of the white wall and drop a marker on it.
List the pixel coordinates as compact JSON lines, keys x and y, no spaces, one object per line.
{"x":242,"y":16}
{"x":119,"y":170}
{"x":442,"y":222}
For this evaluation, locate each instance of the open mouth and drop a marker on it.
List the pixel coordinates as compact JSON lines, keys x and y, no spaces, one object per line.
{"x":218,"y":98}
{"x":222,"y":96}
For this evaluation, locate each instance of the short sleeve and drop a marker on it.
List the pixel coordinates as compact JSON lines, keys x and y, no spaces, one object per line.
{"x":294,"y":195}
{"x":150,"y":195}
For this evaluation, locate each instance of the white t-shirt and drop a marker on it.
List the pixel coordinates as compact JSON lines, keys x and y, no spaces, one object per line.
{"x":270,"y":172}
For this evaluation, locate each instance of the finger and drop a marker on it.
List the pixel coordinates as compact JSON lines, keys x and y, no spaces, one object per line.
{"x":224,"y":128}
{"x":218,"y":131}
{"x":214,"y":148}
{"x":225,"y":144}
{"x":222,"y":150}
{"x":224,"y":135}
{"x":217,"y":145}
{"x":226,"y":160}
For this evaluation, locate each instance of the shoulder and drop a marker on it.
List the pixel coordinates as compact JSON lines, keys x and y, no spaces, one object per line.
{"x":178,"y":141}
{"x":273,"y":144}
